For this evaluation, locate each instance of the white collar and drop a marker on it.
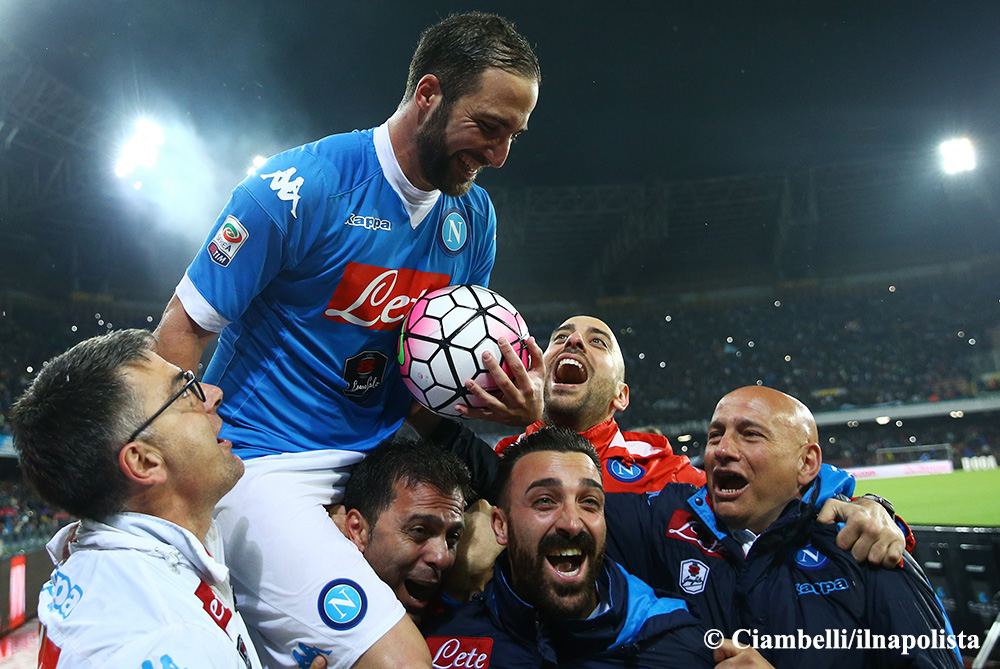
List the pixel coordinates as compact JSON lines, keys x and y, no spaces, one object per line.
{"x":418,"y":203}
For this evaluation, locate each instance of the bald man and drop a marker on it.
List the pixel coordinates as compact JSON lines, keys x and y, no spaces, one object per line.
{"x":753,"y":531}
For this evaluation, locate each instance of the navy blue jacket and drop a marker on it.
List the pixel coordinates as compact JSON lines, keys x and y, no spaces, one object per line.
{"x":794,"y":577}
{"x":499,"y":630}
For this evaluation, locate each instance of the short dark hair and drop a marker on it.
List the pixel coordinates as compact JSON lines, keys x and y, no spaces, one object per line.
{"x":551,"y":438}
{"x":371,"y":489}
{"x":458,"y":49}
{"x":73,"y":421}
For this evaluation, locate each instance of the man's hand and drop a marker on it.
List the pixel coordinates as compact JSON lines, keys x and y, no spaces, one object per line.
{"x":869,"y":533}
{"x":319,"y":662}
{"x":521,"y":402}
{"x":477,"y":551}
{"x":729,"y":656}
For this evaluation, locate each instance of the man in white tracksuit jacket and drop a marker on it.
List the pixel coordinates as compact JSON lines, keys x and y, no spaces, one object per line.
{"x":127,"y":442}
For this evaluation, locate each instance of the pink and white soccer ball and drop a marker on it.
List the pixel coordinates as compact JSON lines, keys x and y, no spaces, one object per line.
{"x":444,"y":336}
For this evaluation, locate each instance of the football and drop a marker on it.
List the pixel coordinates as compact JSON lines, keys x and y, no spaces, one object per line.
{"x":442,"y":343}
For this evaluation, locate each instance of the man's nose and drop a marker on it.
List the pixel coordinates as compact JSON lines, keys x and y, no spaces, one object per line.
{"x":498,"y":152}
{"x":213,"y":397}
{"x":437,"y":554}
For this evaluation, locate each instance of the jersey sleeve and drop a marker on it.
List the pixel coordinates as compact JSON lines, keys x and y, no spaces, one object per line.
{"x":264,"y":228}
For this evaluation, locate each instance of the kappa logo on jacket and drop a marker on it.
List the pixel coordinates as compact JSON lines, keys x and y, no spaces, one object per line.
{"x":461,"y":652}
{"x":286,"y":187}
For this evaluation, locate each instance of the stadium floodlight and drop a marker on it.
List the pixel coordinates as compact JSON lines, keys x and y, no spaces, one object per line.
{"x":883,"y":420}
{"x":142,"y":149}
{"x":255,"y":165}
{"x":958,"y":155}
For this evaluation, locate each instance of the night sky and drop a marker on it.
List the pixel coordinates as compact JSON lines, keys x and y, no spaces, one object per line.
{"x":630,"y":91}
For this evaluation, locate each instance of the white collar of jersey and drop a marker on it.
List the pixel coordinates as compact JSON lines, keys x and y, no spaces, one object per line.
{"x":418,"y":203}
{"x":145,"y":533}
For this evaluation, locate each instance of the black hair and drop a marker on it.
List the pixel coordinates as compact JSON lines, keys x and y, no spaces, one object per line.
{"x":458,"y":49}
{"x":74,"y":419}
{"x":371,"y":489}
{"x":551,"y":438}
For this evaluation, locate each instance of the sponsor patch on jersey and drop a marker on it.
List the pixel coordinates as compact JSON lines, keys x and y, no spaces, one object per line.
{"x":683,"y":527}
{"x":624,"y":472}
{"x":286,"y":187}
{"x":364,"y":373}
{"x":213,"y":605}
{"x":304,"y":654}
{"x":460,"y":652}
{"x":693,"y":576}
{"x":368,"y":222}
{"x":811,"y":559}
{"x":454,"y":232}
{"x":342,"y":604}
{"x":821,"y":587}
{"x":227,"y":241}
{"x":378,"y":298}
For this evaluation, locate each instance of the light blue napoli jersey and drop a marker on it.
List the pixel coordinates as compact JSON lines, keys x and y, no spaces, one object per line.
{"x":309,"y":272}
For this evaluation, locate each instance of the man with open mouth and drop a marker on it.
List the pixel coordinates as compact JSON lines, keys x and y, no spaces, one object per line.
{"x":751,"y":553}
{"x":555,"y":599}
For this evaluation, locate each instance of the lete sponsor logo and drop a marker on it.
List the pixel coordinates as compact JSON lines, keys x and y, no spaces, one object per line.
{"x":378,"y":298}
{"x":463,"y":652}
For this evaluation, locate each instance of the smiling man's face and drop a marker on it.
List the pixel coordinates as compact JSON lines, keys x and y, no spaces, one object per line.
{"x":553,"y":528}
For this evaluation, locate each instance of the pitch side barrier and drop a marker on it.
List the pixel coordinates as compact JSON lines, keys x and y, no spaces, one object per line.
{"x":963,"y":566}
{"x":21,"y":579}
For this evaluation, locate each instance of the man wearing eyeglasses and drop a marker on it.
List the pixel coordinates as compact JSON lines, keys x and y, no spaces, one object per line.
{"x":128,"y":443}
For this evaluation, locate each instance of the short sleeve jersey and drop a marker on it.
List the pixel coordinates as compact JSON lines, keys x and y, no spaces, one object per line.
{"x":310,"y":269}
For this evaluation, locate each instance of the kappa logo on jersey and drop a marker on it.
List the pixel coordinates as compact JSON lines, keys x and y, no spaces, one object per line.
{"x":166,"y":662}
{"x":286,"y":187}
{"x":364,"y":373}
{"x":693,"y":577}
{"x":454,"y":232}
{"x":64,"y":595}
{"x":305,"y":654}
{"x":623,"y":472}
{"x":227,"y":241}
{"x":810,"y":558}
{"x":368,"y":222}
{"x":462,"y":652}
{"x":682,"y":526}
{"x":378,"y":298}
{"x":213,"y":605}
{"x":342,"y":604}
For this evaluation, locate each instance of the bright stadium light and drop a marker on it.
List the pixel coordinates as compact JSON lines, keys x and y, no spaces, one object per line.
{"x":958,"y":155}
{"x":258,"y":161}
{"x":142,"y":149}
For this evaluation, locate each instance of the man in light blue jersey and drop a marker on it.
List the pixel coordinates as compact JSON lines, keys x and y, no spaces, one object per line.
{"x":306,"y":278}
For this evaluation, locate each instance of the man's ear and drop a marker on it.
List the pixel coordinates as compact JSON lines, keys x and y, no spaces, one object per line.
{"x":498,"y":520}
{"x":356,"y":529}
{"x":142,"y":463}
{"x":427,"y":94}
{"x":809,"y":463}
{"x":620,"y":402}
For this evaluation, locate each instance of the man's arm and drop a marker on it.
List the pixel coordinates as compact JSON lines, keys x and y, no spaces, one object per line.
{"x":869,"y":532}
{"x":401,"y":646}
{"x":179,"y":339}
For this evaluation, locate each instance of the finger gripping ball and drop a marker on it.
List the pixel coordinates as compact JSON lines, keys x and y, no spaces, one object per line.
{"x":443,"y":340}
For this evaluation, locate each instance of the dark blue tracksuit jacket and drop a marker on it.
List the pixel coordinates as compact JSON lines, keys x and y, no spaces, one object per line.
{"x":793,"y":578}
{"x":498,"y":630}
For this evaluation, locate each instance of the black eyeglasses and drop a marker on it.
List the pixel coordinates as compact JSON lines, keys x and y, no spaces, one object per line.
{"x":190,"y":381}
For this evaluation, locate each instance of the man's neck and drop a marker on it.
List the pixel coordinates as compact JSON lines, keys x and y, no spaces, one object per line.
{"x":403,"y":126}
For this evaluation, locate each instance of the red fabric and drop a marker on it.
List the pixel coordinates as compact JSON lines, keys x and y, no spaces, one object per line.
{"x":652,"y":453}
{"x":48,"y":653}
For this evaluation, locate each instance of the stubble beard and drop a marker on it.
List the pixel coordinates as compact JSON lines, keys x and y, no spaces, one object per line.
{"x":432,"y":153}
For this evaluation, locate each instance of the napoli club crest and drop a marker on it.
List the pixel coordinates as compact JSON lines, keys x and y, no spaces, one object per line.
{"x":454,"y":232}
